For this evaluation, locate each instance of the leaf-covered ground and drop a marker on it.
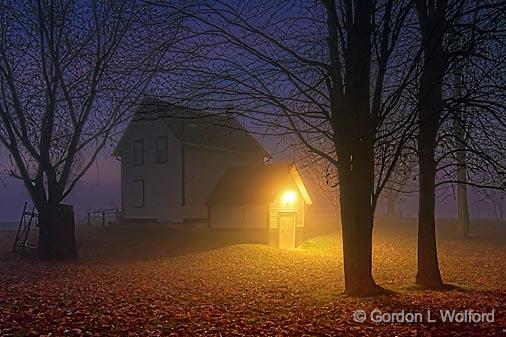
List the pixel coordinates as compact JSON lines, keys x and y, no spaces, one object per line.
{"x":161,"y":282}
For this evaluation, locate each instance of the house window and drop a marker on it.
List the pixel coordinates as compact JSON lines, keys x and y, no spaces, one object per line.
{"x":162,"y":155}
{"x":138,"y":195}
{"x":138,"y":152}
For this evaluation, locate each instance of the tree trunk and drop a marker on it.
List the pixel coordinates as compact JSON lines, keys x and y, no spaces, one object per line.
{"x":460,"y":146}
{"x":428,"y":274}
{"x":57,"y":233}
{"x":433,"y":25}
{"x":501,"y":205}
{"x":357,"y":247}
{"x":391,"y":196}
{"x":357,"y":224}
{"x":354,"y":129}
{"x":431,"y":105}
{"x":462,"y":204}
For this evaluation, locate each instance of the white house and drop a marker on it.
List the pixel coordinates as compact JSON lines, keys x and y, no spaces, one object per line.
{"x":172,"y":157}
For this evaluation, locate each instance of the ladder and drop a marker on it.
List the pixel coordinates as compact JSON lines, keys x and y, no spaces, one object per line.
{"x":25,"y":222}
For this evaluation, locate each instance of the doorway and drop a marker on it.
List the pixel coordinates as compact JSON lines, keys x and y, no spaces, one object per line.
{"x":286,"y":234}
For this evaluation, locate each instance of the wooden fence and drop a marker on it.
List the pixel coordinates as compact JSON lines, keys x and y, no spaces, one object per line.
{"x":106,"y":216}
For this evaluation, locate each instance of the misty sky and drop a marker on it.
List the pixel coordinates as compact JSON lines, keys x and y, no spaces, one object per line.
{"x":100,"y":188}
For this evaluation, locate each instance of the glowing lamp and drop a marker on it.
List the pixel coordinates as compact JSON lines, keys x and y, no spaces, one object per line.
{"x":289,"y":197}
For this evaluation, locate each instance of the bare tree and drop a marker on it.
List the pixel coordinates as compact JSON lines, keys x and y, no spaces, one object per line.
{"x":459,"y":130}
{"x":69,"y":73}
{"x":438,"y":20}
{"x":496,"y":199}
{"x":338,"y":76}
{"x":476,"y":74}
{"x":401,"y":182}
{"x":323,"y":175}
{"x":307,"y":69}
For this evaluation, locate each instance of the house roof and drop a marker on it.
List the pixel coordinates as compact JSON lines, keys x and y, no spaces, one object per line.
{"x":255,"y":184}
{"x":197,"y":127}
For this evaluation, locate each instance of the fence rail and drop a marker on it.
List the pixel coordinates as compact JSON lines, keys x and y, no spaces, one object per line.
{"x":113,"y":215}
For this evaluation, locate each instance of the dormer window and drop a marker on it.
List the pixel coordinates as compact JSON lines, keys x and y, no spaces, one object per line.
{"x":139,"y":152}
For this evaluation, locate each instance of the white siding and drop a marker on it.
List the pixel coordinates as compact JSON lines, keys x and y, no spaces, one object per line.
{"x":234,"y":216}
{"x":162,"y":181}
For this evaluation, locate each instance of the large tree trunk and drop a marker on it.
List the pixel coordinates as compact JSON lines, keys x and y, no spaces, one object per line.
{"x":428,"y":274}
{"x":460,"y":146}
{"x":431,"y":105}
{"x":356,"y":184}
{"x":57,"y":233}
{"x":357,"y":245}
{"x":431,"y":17}
{"x":354,"y":130}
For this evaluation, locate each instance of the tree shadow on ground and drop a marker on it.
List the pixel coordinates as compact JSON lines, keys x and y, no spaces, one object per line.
{"x":125,"y":243}
{"x":137,"y":242}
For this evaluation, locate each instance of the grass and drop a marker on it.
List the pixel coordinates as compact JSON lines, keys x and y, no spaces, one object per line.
{"x":156,"y":281}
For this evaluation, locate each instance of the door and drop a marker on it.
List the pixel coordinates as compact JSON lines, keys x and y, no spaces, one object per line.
{"x":286,"y":226}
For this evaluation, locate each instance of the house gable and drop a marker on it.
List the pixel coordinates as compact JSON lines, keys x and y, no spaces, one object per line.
{"x":196,"y":128}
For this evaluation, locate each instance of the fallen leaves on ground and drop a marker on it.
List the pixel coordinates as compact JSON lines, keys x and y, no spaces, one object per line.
{"x":165,"y":283}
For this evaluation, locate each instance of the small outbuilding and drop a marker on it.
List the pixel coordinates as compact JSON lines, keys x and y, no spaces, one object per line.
{"x":267,"y":198}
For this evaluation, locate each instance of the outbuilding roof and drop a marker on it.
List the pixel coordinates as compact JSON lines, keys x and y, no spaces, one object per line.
{"x":255,"y":184}
{"x":197,"y":127}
